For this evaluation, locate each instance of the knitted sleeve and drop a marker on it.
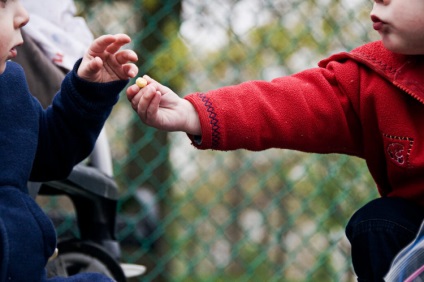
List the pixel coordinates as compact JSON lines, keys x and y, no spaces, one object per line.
{"x":71,"y":125}
{"x":311,"y":111}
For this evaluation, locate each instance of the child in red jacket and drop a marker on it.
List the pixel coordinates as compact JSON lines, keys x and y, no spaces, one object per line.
{"x":367,"y":103}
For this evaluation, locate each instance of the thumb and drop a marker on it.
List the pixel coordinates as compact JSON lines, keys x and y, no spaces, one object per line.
{"x":158,"y":86}
{"x":91,"y":69}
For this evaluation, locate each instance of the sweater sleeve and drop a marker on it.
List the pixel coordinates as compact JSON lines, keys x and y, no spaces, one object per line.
{"x":69,"y":127}
{"x":312,"y":111}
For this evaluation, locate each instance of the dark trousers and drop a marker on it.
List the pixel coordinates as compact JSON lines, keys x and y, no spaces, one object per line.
{"x":378,"y":231}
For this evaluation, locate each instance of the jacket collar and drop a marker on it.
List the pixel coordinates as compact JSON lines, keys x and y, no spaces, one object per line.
{"x":404,"y":71}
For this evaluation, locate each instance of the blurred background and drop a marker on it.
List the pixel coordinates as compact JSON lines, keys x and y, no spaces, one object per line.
{"x":191,"y":215}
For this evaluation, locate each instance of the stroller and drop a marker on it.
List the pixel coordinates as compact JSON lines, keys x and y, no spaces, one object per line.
{"x":90,"y":186}
{"x":94,"y":195}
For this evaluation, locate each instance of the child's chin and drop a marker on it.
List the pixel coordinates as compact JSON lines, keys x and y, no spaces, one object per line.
{"x":2,"y":67}
{"x":402,"y":48}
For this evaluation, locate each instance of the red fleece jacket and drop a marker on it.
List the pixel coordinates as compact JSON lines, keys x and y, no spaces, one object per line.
{"x":367,"y":103}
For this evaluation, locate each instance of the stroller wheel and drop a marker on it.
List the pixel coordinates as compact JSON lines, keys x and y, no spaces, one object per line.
{"x":78,"y":257}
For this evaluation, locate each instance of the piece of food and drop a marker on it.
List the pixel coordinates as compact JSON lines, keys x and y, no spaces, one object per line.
{"x":141,"y":82}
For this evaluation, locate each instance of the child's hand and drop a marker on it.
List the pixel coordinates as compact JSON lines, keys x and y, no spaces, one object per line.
{"x":159,"y":107}
{"x":105,"y":62}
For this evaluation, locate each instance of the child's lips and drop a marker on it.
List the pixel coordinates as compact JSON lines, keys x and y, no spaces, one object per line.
{"x":13,"y":53}
{"x":377,"y":23}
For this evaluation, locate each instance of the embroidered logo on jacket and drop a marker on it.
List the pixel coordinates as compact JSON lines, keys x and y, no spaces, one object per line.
{"x":396,"y":153}
{"x":398,"y":149}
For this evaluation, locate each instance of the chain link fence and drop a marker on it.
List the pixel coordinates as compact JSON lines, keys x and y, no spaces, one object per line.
{"x":191,"y":215}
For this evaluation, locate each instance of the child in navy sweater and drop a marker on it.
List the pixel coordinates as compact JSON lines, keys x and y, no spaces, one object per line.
{"x":41,"y":145}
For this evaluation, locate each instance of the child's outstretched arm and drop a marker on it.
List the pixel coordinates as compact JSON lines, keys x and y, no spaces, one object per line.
{"x":159,"y":107}
{"x":105,"y":62}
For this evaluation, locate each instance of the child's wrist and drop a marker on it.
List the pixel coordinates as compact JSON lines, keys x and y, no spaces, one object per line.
{"x":192,"y":125}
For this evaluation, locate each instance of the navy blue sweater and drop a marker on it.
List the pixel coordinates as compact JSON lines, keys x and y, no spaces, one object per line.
{"x":40,"y":145}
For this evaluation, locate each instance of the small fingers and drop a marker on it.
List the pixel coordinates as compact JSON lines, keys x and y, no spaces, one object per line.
{"x":149,"y":107}
{"x":159,"y":87}
{"x":126,"y":56}
{"x":132,"y":91}
{"x":100,"y":44}
{"x":91,"y":68}
{"x":109,"y":43}
{"x":131,"y":70}
{"x":141,"y":101}
{"x":120,"y":40}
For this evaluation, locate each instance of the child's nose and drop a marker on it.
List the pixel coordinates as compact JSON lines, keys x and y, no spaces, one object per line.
{"x":22,"y":17}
